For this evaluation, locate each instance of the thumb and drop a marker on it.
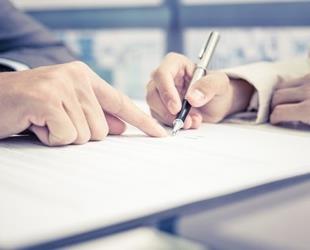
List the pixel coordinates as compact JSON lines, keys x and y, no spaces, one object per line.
{"x":200,"y":93}
{"x":205,"y":89}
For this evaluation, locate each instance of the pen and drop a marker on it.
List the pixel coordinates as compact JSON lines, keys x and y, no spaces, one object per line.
{"x":200,"y":70}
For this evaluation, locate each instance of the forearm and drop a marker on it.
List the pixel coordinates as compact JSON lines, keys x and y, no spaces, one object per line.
{"x":264,"y":77}
{"x":24,"y":40}
{"x":35,"y":57}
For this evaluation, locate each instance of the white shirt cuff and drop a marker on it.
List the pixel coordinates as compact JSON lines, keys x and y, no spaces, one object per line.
{"x":264,"y":76}
{"x":17,"y":66}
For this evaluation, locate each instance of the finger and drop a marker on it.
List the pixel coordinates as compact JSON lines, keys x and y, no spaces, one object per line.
{"x":191,"y":121}
{"x":287,"y":95}
{"x":157,"y":106}
{"x":201,"y":92}
{"x":174,"y":68}
{"x":167,"y":91}
{"x":159,"y":118}
{"x":41,"y":132}
{"x":116,"y":126}
{"x":212,"y":118}
{"x":286,"y":113}
{"x":74,"y":110}
{"x":196,"y":119}
{"x":95,"y":117}
{"x":296,"y":82}
{"x":188,"y":122}
{"x":164,"y":116}
{"x":121,"y":106}
{"x":59,"y":129}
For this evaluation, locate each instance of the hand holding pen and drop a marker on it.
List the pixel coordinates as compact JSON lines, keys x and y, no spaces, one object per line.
{"x":212,"y":97}
{"x":205,"y":56}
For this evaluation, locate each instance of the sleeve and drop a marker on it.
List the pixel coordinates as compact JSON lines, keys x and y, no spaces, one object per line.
{"x":9,"y":65}
{"x":25,"y":41}
{"x":264,"y":76}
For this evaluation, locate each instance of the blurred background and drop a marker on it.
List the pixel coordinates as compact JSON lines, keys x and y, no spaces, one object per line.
{"x":125,"y":40}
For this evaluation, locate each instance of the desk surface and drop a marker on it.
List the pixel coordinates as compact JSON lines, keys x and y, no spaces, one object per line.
{"x":140,"y":239}
{"x":277,"y":219}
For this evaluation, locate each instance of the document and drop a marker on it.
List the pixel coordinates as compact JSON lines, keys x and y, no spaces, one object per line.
{"x":47,"y":193}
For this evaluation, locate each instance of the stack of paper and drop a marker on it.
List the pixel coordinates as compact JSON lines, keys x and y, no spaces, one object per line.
{"x":48,"y":193}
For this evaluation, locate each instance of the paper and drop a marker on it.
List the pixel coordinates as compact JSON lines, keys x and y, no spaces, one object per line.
{"x":141,"y":239}
{"x":48,"y":193}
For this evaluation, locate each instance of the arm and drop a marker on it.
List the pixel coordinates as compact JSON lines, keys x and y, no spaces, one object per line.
{"x":213,"y":97}
{"x":230,"y":93}
{"x":264,"y":77}
{"x":25,"y":41}
{"x":66,"y":104}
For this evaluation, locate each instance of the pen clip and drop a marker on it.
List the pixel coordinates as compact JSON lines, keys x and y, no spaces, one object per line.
{"x":202,"y":50}
{"x":212,"y":41}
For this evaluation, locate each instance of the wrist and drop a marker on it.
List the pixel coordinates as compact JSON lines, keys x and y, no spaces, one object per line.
{"x":242,"y":92}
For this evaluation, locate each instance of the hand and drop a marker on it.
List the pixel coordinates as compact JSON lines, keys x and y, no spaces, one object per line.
{"x":213,"y":97}
{"x":291,"y":101}
{"x":65,"y":104}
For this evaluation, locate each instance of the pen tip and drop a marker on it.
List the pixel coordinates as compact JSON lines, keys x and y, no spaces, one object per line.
{"x":177,"y":125}
{"x":174,"y":131}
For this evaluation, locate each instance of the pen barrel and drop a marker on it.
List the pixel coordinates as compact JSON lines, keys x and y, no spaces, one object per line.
{"x":200,"y":70}
{"x":186,"y":107}
{"x":198,"y":74}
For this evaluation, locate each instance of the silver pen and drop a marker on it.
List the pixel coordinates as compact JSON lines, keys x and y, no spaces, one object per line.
{"x":205,"y":56}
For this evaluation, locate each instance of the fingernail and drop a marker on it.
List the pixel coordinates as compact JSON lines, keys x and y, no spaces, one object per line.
{"x":197,"y":95}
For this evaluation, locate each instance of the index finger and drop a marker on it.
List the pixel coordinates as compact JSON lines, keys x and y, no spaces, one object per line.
{"x":121,"y":106}
{"x":170,"y":75}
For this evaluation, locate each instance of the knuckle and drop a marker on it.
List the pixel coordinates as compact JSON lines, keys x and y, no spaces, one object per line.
{"x":120,"y":102}
{"x":77,"y":70}
{"x":173,"y":55}
{"x":157,"y":74}
{"x":47,"y":95}
{"x":166,"y":95}
{"x":150,"y":86}
{"x":149,"y":97}
{"x":53,"y":75}
{"x":100,"y":130}
{"x":69,"y":138}
{"x":99,"y":134}
{"x":153,"y":74}
{"x":82,"y":138}
{"x":77,"y":65}
{"x":176,"y":56}
{"x":168,"y":118}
